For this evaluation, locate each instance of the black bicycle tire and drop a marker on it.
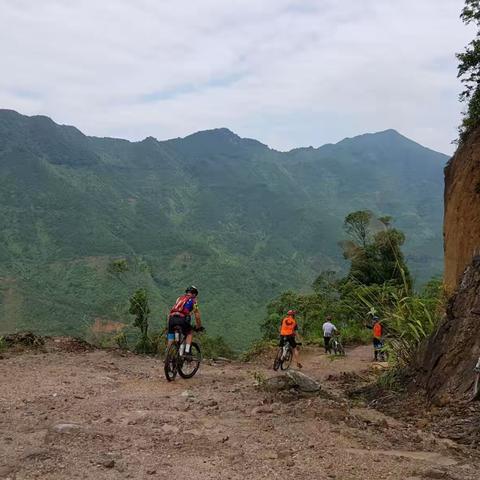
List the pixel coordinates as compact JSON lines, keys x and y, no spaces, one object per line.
{"x":194,"y":346}
{"x":287,"y":361}
{"x":278,"y":359}
{"x":172,"y":355}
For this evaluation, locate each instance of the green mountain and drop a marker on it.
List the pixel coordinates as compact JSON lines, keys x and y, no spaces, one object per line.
{"x":230,"y":215}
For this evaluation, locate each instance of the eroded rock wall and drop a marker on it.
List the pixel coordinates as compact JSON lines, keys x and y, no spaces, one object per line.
{"x":451,"y":354}
{"x":447,"y":362}
{"x":462,"y":210}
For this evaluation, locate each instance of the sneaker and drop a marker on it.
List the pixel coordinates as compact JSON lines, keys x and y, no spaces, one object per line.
{"x":187,"y":357}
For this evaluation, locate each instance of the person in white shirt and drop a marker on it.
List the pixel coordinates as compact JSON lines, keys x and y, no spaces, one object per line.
{"x":329,"y":329}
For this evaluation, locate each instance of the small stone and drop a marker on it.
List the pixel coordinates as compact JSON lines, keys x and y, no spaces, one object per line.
{"x":108,"y":463}
{"x":151,"y":471}
{"x":269,"y":455}
{"x":167,"y":428}
{"x":66,"y":428}
{"x":434,"y":473}
{"x":31,"y":453}
{"x":6,"y":470}
{"x":262,"y":409}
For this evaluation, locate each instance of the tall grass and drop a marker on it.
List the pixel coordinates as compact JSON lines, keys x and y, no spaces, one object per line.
{"x":407,"y":318}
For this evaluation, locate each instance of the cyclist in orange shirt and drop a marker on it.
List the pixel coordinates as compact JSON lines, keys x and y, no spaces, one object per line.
{"x":288,"y":331}
{"x":377,"y":330}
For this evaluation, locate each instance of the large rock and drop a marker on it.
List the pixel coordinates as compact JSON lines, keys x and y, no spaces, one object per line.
{"x":448,"y":362}
{"x":303,"y":382}
{"x":291,"y":379}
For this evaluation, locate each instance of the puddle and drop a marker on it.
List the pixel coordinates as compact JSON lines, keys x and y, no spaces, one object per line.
{"x":431,"y":457}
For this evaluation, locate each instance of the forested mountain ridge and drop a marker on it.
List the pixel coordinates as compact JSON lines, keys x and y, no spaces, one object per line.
{"x":238,"y":219}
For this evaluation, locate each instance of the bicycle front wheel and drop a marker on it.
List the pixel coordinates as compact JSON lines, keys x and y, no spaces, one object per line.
{"x":171,"y":360}
{"x":188,"y":366}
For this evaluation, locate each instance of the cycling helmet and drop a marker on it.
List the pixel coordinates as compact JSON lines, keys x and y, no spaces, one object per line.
{"x":292,"y":312}
{"x":193,"y":290}
{"x":329,"y":317}
{"x":375,"y":318}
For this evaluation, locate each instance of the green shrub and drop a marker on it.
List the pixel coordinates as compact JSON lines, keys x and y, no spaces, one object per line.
{"x":214,"y":347}
{"x":121,"y":341}
{"x":258,"y":349}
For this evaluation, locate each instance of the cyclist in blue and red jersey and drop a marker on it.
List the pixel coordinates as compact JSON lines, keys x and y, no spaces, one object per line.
{"x":181,"y":316}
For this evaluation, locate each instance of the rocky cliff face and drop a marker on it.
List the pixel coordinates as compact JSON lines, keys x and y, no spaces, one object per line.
{"x":450,"y":355}
{"x":462,"y":210}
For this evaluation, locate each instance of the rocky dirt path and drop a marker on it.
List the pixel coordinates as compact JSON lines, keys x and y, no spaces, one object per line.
{"x":100,"y":415}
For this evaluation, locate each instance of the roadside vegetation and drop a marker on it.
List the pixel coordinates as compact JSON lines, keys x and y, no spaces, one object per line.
{"x":378,"y":283}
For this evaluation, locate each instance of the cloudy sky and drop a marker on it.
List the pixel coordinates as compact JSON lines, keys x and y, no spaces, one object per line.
{"x":286,"y":72}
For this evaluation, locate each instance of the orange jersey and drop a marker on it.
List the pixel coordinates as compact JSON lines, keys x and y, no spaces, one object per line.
{"x":377,"y":331}
{"x":289,"y":325}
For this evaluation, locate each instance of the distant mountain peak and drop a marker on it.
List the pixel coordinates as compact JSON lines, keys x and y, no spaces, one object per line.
{"x":222,"y":133}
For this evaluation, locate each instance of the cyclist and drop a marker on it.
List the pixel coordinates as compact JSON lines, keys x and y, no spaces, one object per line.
{"x":288,"y":331}
{"x":377,"y":331}
{"x":329,"y":329}
{"x":181,"y":316}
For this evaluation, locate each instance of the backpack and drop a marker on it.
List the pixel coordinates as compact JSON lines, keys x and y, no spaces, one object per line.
{"x":179,"y":307}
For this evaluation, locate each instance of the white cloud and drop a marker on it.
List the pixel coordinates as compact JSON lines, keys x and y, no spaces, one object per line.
{"x":288,"y":72}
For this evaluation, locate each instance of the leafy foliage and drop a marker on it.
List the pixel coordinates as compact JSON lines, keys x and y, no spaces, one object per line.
{"x":357,"y":225}
{"x":215,"y":347}
{"x":140,"y":308}
{"x":378,"y":283}
{"x":377,"y":257}
{"x":469,"y":71}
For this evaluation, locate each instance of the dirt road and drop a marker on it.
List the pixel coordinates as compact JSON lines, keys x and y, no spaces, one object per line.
{"x":99,"y":415}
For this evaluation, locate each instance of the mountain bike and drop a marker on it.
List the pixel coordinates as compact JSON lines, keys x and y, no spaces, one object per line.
{"x":177,"y":361}
{"x":284,"y":356}
{"x":337,"y":346}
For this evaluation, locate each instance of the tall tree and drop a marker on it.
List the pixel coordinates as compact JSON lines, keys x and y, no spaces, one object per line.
{"x":357,"y":225}
{"x":376,"y":257}
{"x":469,"y":71}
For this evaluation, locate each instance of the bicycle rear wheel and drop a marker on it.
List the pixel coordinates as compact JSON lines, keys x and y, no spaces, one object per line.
{"x":287,"y":360}
{"x":171,"y":360}
{"x":188,"y":368}
{"x":278,"y":359}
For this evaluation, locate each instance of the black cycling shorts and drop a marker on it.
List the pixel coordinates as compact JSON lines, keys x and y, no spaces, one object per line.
{"x":183,"y":322}
{"x":290,"y":339}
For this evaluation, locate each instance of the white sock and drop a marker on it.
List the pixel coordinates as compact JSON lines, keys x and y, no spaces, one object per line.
{"x":187,"y":348}
{"x":182,"y":348}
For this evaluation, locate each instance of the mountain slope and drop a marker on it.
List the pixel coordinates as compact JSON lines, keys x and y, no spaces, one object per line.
{"x":240,"y":220}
